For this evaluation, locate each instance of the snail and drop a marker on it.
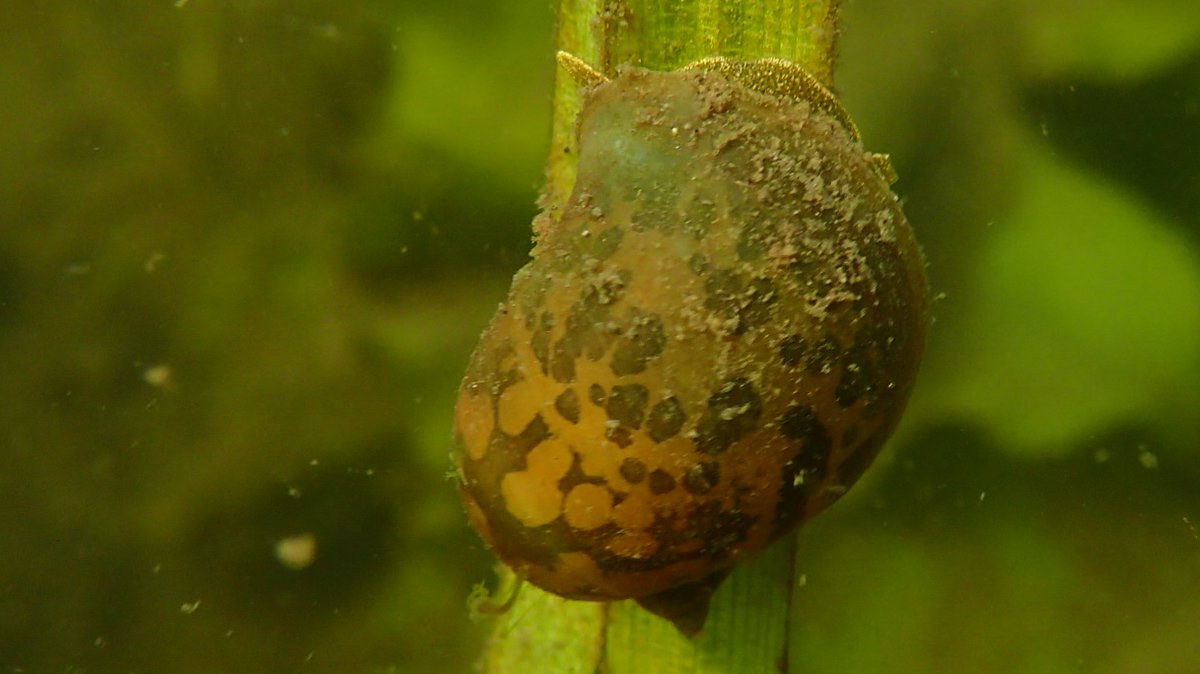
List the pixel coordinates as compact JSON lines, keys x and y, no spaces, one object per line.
{"x":710,"y":344}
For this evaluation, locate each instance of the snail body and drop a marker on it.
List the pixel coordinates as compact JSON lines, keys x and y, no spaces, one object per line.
{"x":710,"y":344}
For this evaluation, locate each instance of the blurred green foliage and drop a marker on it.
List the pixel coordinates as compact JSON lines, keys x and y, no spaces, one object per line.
{"x":246,"y":248}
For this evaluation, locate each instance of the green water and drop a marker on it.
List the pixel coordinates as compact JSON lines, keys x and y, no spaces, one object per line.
{"x":246,"y":249}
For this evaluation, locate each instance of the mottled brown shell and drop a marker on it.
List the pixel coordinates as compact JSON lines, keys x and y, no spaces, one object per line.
{"x":709,"y":345}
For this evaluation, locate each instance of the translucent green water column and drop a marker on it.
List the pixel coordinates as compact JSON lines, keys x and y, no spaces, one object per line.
{"x":747,"y":627}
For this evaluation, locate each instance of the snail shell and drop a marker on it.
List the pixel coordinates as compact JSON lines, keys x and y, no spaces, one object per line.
{"x":710,"y":344}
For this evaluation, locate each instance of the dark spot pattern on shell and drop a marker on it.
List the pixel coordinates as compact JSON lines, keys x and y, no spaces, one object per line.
{"x":633,"y":470}
{"x":567,"y":405}
{"x":806,"y":467}
{"x":619,"y":435}
{"x":627,"y":404}
{"x":793,"y":350}
{"x":503,"y":377}
{"x":722,"y":290}
{"x":816,"y":359}
{"x":699,"y":217}
{"x":798,"y":423}
{"x":858,"y":375}
{"x":661,"y":481}
{"x":716,"y":529}
{"x":754,"y":240}
{"x":748,"y":301}
{"x":562,"y":361}
{"x":758,"y":297}
{"x":853,"y":384}
{"x":702,"y":477}
{"x":643,"y":341}
{"x":586,"y":334}
{"x":733,"y":411}
{"x":666,"y":419}
{"x":721,"y":528}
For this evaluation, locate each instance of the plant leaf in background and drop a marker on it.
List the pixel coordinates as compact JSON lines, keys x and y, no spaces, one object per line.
{"x":1106,"y":39}
{"x":1087,"y":314}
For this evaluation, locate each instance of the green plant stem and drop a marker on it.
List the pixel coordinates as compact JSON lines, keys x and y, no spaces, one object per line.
{"x":747,"y":627}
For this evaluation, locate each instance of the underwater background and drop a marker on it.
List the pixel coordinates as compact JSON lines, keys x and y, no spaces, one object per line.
{"x":247,"y":247}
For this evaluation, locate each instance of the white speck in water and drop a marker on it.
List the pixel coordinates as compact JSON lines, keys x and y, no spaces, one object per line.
{"x":1147,"y":458}
{"x":153,"y":261}
{"x":297,"y":552}
{"x":159,"y":376}
{"x":190,"y":607}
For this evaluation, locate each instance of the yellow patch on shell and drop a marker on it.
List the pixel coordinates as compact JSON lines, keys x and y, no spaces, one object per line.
{"x":517,"y":405}
{"x":587,"y":507}
{"x":636,"y":512}
{"x":525,"y":493}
